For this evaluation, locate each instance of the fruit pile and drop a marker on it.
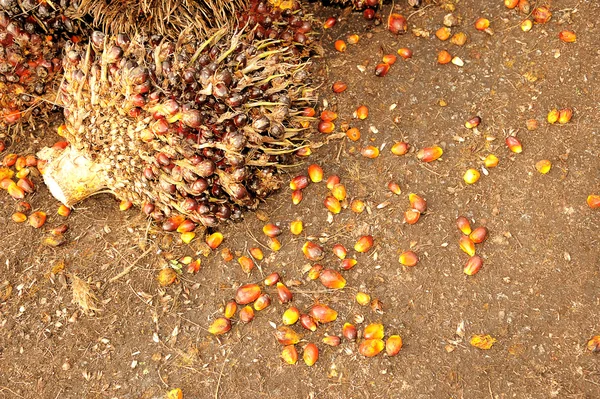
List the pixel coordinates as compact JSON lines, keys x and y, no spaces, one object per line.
{"x":191,"y":128}
{"x":32,"y":35}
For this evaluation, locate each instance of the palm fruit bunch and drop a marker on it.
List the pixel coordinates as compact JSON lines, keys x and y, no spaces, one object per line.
{"x":187,"y":128}
{"x":32,"y":36}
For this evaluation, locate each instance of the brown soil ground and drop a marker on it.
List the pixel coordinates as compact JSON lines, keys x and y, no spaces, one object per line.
{"x":537,"y":292}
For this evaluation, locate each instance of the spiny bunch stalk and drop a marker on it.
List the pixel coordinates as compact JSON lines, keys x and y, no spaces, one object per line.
{"x":165,"y":17}
{"x":32,"y":35}
{"x":193,"y":127}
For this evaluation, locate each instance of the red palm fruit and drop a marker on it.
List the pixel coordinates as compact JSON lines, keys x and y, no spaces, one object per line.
{"x":271,"y":230}
{"x":514,"y":144}
{"x":332,"y":340}
{"x":289,"y":354}
{"x":271,"y":279}
{"x":19,"y":217}
{"x":330,"y":22}
{"x":262,"y":302}
{"x":274,"y":244}
{"x":328,"y":116}
{"x":382,"y":69}
{"x":364,"y":244}
{"x":340,"y":45}
{"x":307,"y":322}
{"x":374,"y":331}
{"x":58,"y":230}
{"x":297,"y":197}
{"x":371,"y":347}
{"x":397,"y":24}
{"x":339,"y":192}
{"x":369,"y":14}
{"x":339,"y":251}
{"x":314,"y":272}
{"x":394,"y":187}
{"x":312,"y":251}
{"x":444,"y":57}
{"x":429,"y":154}
{"x":332,"y":279}
{"x":186,"y":226}
{"x":246,"y":314}
{"x":247,"y":293}
{"x":299,"y":182}
{"x":400,"y":148}
{"x":479,"y":235}
{"x":473,"y":122}
{"x":353,"y":134}
{"x":246,"y":264}
{"x":362,"y":112}
{"x":315,"y":173}
{"x":593,"y":201}
{"x":172,"y":223}
{"x":230,"y":309}
{"x":370,"y":152}
{"x":322,"y":313}
{"x":389,"y":59}
{"x":408,"y":258}
{"x":290,"y":316}
{"x":309,"y":112}
{"x":214,"y":240}
{"x":257,"y":253}
{"x":467,"y":245}
{"x":10,"y":160}
{"x":405,"y":53}
{"x":411,"y":216}
{"x":473,"y":265}
{"x":393,"y":345}
{"x":417,"y":203}
{"x":339,"y":87}
{"x":332,"y":204}
{"x":220,"y":326}
{"x":332,"y":181}
{"x":482,"y":24}
{"x":326,"y":127}
{"x":348,"y":264}
{"x":349,"y":332}
{"x":310,"y":354}
{"x":541,"y":15}
{"x":463,"y":225}
{"x":286,"y":336}
{"x":283,"y":293}
{"x":37,"y":219}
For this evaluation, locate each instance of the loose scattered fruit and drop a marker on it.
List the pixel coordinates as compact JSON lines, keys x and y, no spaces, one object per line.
{"x":362,"y":112}
{"x":593,"y":201}
{"x":19,"y":217}
{"x":339,"y":87}
{"x":283,"y":293}
{"x":247,"y":293}
{"x":332,"y":340}
{"x":364,"y":244}
{"x":246,"y":314}
{"x":348,"y":264}
{"x":357,"y":206}
{"x":271,"y":230}
{"x":443,"y":33}
{"x":405,"y":53}
{"x":297,"y":197}
{"x":322,"y":313}
{"x":567,"y":36}
{"x":330,"y":23}
{"x":296,"y":227}
{"x":310,"y":354}
{"x":444,"y":57}
{"x":332,"y":204}
{"x":593,"y":345}
{"x":471,"y":176}
{"x":308,"y":322}
{"x":482,"y":24}
{"x":340,"y":45}
{"x":417,"y":203}
{"x":374,"y":331}
{"x":526,"y":25}
{"x":370,"y":152}
{"x":246,"y":264}
{"x":514,"y":144}
{"x":459,"y":39}
{"x":339,"y":192}
{"x":286,"y":336}
{"x":214,"y":240}
{"x":394,"y":187}
{"x":349,"y":332}
{"x":230,"y":309}
{"x":332,"y":279}
{"x":543,"y":166}
{"x":463,"y":225}
{"x":37,"y":219}
{"x":315,"y":173}
{"x":272,"y":279}
{"x":220,"y":326}
{"x":397,"y":24}
{"x":473,"y":265}
{"x":473,"y":122}
{"x":541,"y":15}
{"x":491,"y":161}
{"x":429,"y":154}
{"x":371,"y":347}
{"x":467,"y":245}
{"x":382,"y":69}
{"x":353,"y":39}
{"x":363,"y":298}
{"x":393,"y":345}
{"x":511,"y":3}
{"x":166,"y":277}
{"x":565,"y":116}
{"x":400,"y":148}
{"x":408,"y":258}
{"x":290,"y":316}
{"x":389,"y":59}
{"x":289,"y":354}
{"x":553,"y":116}
{"x":484,"y":342}
{"x":339,"y":251}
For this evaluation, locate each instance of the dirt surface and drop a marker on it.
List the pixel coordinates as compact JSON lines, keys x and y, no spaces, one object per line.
{"x":537,"y":292}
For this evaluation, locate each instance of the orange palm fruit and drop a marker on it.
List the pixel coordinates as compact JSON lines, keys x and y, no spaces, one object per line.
{"x":214,"y":240}
{"x":262,"y":302}
{"x":348,"y":263}
{"x":322,"y":313}
{"x":353,"y":39}
{"x":332,"y":204}
{"x":364,"y":244}
{"x":37,"y":219}
{"x":405,"y":53}
{"x":567,"y":36}
{"x":408,"y":258}
{"x":362,"y":298}
{"x":473,"y":265}
{"x":394,"y":187}
{"x":271,"y":230}
{"x":471,"y":176}
{"x":564,"y":116}
{"x":370,"y":152}
{"x":491,"y":161}
{"x":393,"y":345}
{"x":332,"y":181}
{"x":230,"y":309}
{"x":339,"y":251}
{"x":315,"y":173}
{"x":328,"y":116}
{"x":283,"y":293}
{"x":541,"y":15}
{"x":289,"y":354}
{"x":166,"y":277}
{"x":339,"y":87}
{"x":19,"y":217}
{"x":349,"y":332}
{"x":467,"y":245}
{"x":482,"y":24}
{"x":362,"y":112}
{"x":299,"y":182}
{"x":339,"y":192}
{"x":593,"y":201}
{"x":417,"y":203}
{"x":353,"y":134}
{"x":411,"y":216}
{"x":511,"y":3}
{"x":514,"y":144}
{"x":286,"y":336}
{"x":125,"y":205}
{"x":310,"y":354}
{"x":371,"y":347}
{"x":274,"y":244}
{"x":313,"y":251}
{"x":246,"y":264}
{"x":246,"y":314}
{"x":357,"y":206}
{"x":389,"y":59}
{"x":400,"y":148}
{"x":290,"y":316}
{"x":340,"y":45}
{"x":429,"y":154}
{"x":247,"y":293}
{"x":444,"y":57}
{"x":479,"y":235}
{"x":297,"y":197}
{"x":543,"y":166}
{"x":257,"y":253}
{"x":463,"y":225}
{"x":271,"y":279}
{"x":332,"y":340}
{"x":443,"y":33}
{"x":332,"y":279}
{"x":308,"y":322}
{"x":315,"y":272}
{"x":220,"y":326}
{"x":374,"y":331}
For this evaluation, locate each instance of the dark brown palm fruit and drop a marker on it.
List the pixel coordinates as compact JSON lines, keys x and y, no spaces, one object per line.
{"x":164,"y":17}
{"x":359,"y":5}
{"x":32,"y":36}
{"x":164,"y":121}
